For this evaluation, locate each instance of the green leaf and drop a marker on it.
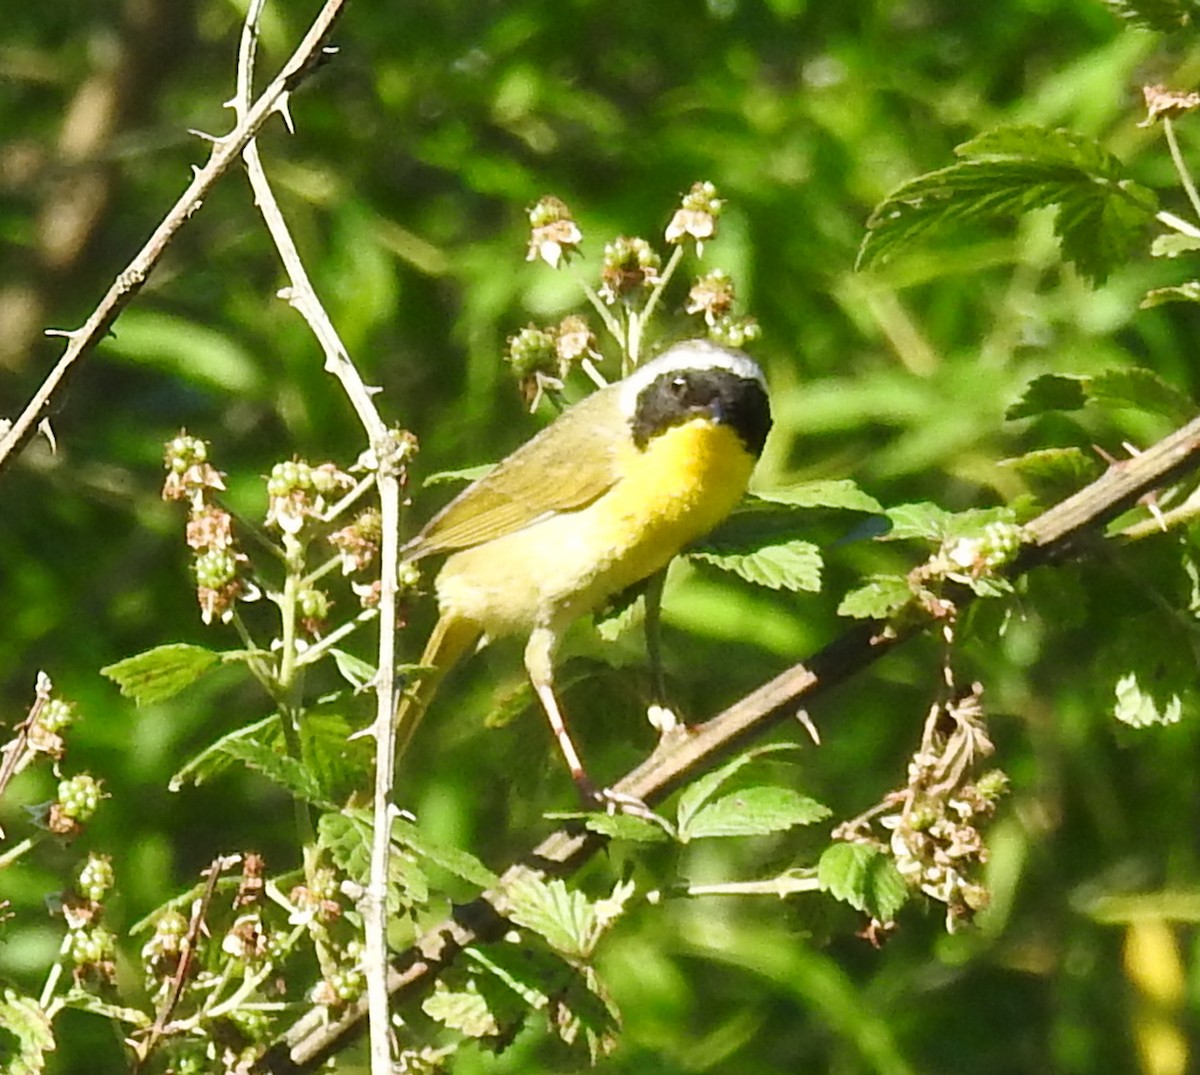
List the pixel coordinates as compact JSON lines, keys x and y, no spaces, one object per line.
{"x":825,"y":493}
{"x":793,"y":565}
{"x":346,"y":835}
{"x":877,"y":599}
{"x":1172,"y":245}
{"x":160,"y":673}
{"x":1050,"y":392}
{"x":1140,"y":707}
{"x":354,"y":670}
{"x":287,"y":772}
{"x":921,"y":520}
{"x":465,"y":1010}
{"x":1010,"y":171}
{"x":22,"y":1018}
{"x":1144,"y":390}
{"x":563,"y":917}
{"x":341,"y":764}
{"x":637,"y":830}
{"x":864,"y":877}
{"x":1160,"y":296}
{"x":1053,"y":472}
{"x":456,"y":861}
{"x":696,"y":794}
{"x":754,"y":811}
{"x":214,"y":758}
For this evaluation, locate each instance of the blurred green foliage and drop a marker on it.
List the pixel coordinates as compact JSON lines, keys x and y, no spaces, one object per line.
{"x":418,"y":149}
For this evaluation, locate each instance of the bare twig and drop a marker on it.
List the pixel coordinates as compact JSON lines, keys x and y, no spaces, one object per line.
{"x":187,"y":951}
{"x":1053,"y":535}
{"x":303,"y":297}
{"x":225,"y":152}
{"x":14,"y":754}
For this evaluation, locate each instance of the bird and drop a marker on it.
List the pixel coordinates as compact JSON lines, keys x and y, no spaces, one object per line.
{"x":598,"y":501}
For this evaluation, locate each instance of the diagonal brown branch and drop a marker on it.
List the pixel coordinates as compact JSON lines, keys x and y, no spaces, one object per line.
{"x":1053,"y":535}
{"x":225,"y":153}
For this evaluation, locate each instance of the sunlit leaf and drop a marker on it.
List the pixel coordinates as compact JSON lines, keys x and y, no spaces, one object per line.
{"x":162,"y":672}
{"x":1102,"y":212}
{"x":877,"y":599}
{"x":863,"y":877}
{"x":794,"y":565}
{"x":754,"y":811}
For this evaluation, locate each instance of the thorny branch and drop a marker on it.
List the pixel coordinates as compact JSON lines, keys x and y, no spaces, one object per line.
{"x":302,"y":295}
{"x":1057,"y":533}
{"x":128,"y":283}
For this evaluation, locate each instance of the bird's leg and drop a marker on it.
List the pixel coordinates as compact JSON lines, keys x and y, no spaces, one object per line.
{"x":660,"y":715}
{"x":539,"y":662}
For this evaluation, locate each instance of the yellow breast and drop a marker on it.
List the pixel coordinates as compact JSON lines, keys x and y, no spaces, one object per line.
{"x":684,"y":483}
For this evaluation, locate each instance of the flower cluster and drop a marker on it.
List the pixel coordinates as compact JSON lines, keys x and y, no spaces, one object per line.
{"x":554,"y":235}
{"x":697,"y":217}
{"x":91,"y":947}
{"x":217,"y":562}
{"x":934,"y":824}
{"x":541,"y":357}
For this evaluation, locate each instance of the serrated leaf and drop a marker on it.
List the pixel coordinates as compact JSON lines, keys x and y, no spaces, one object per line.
{"x":1143,"y":390}
{"x":354,"y":670}
{"x":464,"y":1010}
{"x":1160,"y":296}
{"x":1173,"y":244}
{"x":341,"y":764}
{"x":346,"y":835}
{"x":792,"y":565}
{"x":82,"y":1000}
{"x":1010,"y":171}
{"x":825,"y":493}
{"x":215,"y":758}
{"x":160,"y":673}
{"x":696,"y":794}
{"x":561,"y":916}
{"x":452,"y":859}
{"x":287,"y":772}
{"x":920,"y":520}
{"x":1053,"y":471}
{"x":571,"y":997}
{"x":1050,"y":392}
{"x":625,"y":827}
{"x":754,"y":811}
{"x":877,"y":599}
{"x":1140,"y":708}
{"x":863,"y":877}
{"x":23,"y":1019}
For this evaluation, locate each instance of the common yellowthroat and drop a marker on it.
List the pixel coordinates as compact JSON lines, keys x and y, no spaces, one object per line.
{"x":599,"y":500}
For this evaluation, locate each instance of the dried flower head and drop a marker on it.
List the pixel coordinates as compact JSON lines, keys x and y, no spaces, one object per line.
{"x":630,"y":266}
{"x":554,"y":235}
{"x":533,"y":355}
{"x":711,"y":295}
{"x":696,"y":217}
{"x":189,"y":474}
{"x":297,"y":492}
{"x":358,"y":543}
{"x":1162,"y":103}
{"x":575,"y":341}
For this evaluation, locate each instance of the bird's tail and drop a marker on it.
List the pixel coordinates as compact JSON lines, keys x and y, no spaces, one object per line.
{"x":450,"y":639}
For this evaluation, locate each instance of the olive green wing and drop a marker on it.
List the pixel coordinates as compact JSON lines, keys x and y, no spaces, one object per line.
{"x":565,"y":467}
